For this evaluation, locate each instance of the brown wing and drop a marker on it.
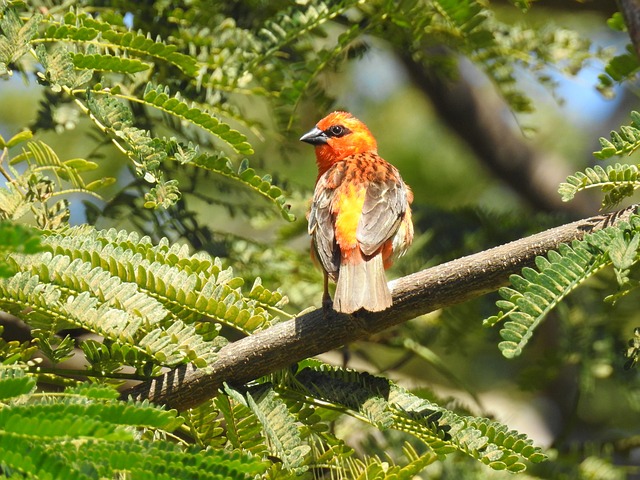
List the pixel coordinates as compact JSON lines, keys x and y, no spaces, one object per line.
{"x":322,"y":220}
{"x":384,"y":205}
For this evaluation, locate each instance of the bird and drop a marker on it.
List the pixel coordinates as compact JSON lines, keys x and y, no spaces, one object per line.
{"x":360,"y":215}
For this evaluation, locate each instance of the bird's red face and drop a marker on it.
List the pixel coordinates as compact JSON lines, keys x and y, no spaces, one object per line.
{"x":337,"y":136}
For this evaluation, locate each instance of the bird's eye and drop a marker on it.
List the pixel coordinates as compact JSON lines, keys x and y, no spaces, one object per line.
{"x":336,"y":131}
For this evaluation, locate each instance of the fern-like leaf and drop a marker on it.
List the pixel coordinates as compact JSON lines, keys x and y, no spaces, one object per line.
{"x":108,"y":63}
{"x":616,"y":181}
{"x":15,"y":37}
{"x":142,"y":45}
{"x":35,"y":460}
{"x":204,"y":425}
{"x":161,"y":459}
{"x":624,"y":142}
{"x":618,"y":69}
{"x":44,"y":158}
{"x":362,"y":393}
{"x":442,"y":430}
{"x":189,"y":286}
{"x":280,"y":428}
{"x":290,"y":25}
{"x":108,"y":357}
{"x":82,"y":28}
{"x":88,"y":429}
{"x":445,"y":431}
{"x":243,"y":431}
{"x":536,"y":292}
{"x":15,"y":382}
{"x":159,"y":97}
{"x":148,"y":301}
{"x":374,"y":467}
{"x":248,"y":177}
{"x":24,"y":291}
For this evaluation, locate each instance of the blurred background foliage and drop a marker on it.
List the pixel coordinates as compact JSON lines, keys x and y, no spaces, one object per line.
{"x":569,"y":390}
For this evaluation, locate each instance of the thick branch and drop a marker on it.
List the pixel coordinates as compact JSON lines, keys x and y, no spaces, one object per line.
{"x":481,"y":120}
{"x":316,"y":332}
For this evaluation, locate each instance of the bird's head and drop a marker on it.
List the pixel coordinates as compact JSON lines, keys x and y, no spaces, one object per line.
{"x":337,"y":136}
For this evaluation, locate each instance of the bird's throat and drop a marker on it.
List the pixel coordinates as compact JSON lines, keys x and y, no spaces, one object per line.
{"x":326,"y":157}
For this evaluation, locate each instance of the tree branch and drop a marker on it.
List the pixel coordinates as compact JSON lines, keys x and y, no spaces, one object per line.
{"x":480,"y":120}
{"x":631,"y":13}
{"x":317,"y":332}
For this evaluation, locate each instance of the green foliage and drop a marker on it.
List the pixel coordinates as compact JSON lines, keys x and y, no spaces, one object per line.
{"x":87,"y":432}
{"x":16,"y":38}
{"x":183,"y":94}
{"x":626,"y":141}
{"x":618,"y":181}
{"x":633,"y":352}
{"x":242,"y":429}
{"x":536,"y":292}
{"x":160,"y":98}
{"x":221,"y":60}
{"x":146,"y":301}
{"x":618,"y":69}
{"x":73,"y":47}
{"x":288,"y":421}
{"x":374,"y":467}
{"x":32,"y":191}
{"x":380,"y":403}
{"x":280,"y":429}
{"x":467,"y":27}
{"x":18,"y":239}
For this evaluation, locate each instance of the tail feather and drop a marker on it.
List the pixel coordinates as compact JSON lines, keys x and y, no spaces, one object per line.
{"x":362,"y":285}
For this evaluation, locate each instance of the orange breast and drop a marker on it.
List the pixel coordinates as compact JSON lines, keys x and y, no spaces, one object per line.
{"x":347,"y":207}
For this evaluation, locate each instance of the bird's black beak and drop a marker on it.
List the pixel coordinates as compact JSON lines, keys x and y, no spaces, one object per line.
{"x":315,"y":137}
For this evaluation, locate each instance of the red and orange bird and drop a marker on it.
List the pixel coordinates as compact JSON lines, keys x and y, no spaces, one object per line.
{"x":360,"y":218}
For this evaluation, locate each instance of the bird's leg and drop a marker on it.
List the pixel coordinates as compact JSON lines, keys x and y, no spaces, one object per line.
{"x":327,"y":303}
{"x":346,"y":356}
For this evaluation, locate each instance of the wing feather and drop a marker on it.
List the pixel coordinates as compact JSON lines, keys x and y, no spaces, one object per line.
{"x":384,"y":206}
{"x":322,"y":221}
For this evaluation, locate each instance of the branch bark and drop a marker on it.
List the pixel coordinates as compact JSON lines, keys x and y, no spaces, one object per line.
{"x":317,"y":332}
{"x":631,"y":13}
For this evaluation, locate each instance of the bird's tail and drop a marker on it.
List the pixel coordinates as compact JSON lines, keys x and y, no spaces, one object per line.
{"x":362,"y":285}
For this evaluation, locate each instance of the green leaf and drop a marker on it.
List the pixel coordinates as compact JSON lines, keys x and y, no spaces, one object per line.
{"x":442,"y":430}
{"x":531,"y":299}
{"x":248,"y":178}
{"x":59,"y":69}
{"x":16,"y":36}
{"x":16,"y":238}
{"x":53,"y":348}
{"x":15,"y":382}
{"x":624,"y":142}
{"x":20,"y":137}
{"x":280,"y":428}
{"x":243,"y":429}
{"x":159,"y":97}
{"x":623,"y":253}
{"x":619,"y":69}
{"x":80,"y":164}
{"x":140,"y":45}
{"x":109,"y":63}
{"x":618,"y":181}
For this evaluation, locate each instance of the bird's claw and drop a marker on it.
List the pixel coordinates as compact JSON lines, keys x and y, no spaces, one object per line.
{"x":327,"y":303}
